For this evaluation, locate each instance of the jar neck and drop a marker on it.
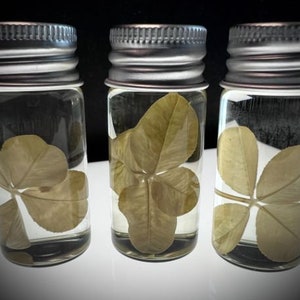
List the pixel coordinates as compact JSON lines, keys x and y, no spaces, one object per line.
{"x":157,"y":88}
{"x":264,"y":56}
{"x":157,"y":56}
{"x":33,"y":71}
{"x":271,"y":70}
{"x":41,"y":54}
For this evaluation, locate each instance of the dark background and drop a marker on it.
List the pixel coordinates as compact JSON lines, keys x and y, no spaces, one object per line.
{"x":94,"y":19}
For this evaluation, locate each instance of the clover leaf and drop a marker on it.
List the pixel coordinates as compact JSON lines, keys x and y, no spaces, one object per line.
{"x":147,"y":175}
{"x":276,"y":196}
{"x":37,"y":174}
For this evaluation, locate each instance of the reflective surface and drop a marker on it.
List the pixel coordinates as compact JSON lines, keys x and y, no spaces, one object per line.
{"x":103,"y":273}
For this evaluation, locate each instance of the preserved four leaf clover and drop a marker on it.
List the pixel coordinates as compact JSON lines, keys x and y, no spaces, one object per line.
{"x":277,"y":197}
{"x":37,"y":173}
{"x":147,"y":175}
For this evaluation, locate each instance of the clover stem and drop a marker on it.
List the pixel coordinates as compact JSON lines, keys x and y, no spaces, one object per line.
{"x":235,"y":198}
{"x":253,"y":202}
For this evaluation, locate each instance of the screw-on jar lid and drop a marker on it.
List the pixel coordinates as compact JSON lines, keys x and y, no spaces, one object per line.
{"x":264,"y":55}
{"x":37,"y":54}
{"x":157,"y":56}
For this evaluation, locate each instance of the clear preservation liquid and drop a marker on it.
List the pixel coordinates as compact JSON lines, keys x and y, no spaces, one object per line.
{"x":44,"y":214}
{"x":146,"y":129}
{"x":257,"y":192}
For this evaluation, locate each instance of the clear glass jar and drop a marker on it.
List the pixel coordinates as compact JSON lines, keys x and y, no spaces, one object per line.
{"x":256,"y":221}
{"x":44,"y":214}
{"x":156,"y":119}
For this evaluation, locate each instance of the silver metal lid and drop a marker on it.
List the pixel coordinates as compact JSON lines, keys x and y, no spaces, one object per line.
{"x":264,"y":55}
{"x":38,"y":54}
{"x":157,"y":56}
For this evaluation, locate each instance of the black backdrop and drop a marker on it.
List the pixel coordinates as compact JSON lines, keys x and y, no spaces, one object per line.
{"x":93,"y":19}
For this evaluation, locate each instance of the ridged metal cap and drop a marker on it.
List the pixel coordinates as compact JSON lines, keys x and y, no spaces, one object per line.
{"x":264,"y":55}
{"x":157,"y":56}
{"x":38,"y":54}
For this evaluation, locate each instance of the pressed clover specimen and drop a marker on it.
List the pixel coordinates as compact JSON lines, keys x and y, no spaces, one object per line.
{"x":37,"y":174}
{"x":276,"y":196}
{"x":147,"y":173}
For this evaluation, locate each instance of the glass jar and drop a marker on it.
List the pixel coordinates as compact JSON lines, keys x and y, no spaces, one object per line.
{"x":256,"y":221}
{"x":156,"y":119}
{"x":44,"y":217}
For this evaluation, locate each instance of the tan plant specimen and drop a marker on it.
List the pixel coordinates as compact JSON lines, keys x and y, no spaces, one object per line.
{"x":147,"y":173}
{"x":276,"y":194}
{"x":37,"y":174}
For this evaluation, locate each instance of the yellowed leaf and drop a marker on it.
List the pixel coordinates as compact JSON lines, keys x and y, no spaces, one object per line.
{"x":123,"y":168}
{"x":280,"y":180}
{"x":61,"y":207}
{"x":277,"y":222}
{"x":238,"y":158}
{"x":278,"y":231}
{"x":32,"y":162}
{"x":55,"y":197}
{"x":150,"y":230}
{"x":2,"y":180}
{"x":4,"y":172}
{"x":179,"y":188}
{"x":166,"y":136}
{"x":229,"y":223}
{"x":145,"y":171}
{"x":12,"y":231}
{"x":121,"y":150}
{"x":121,"y":176}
